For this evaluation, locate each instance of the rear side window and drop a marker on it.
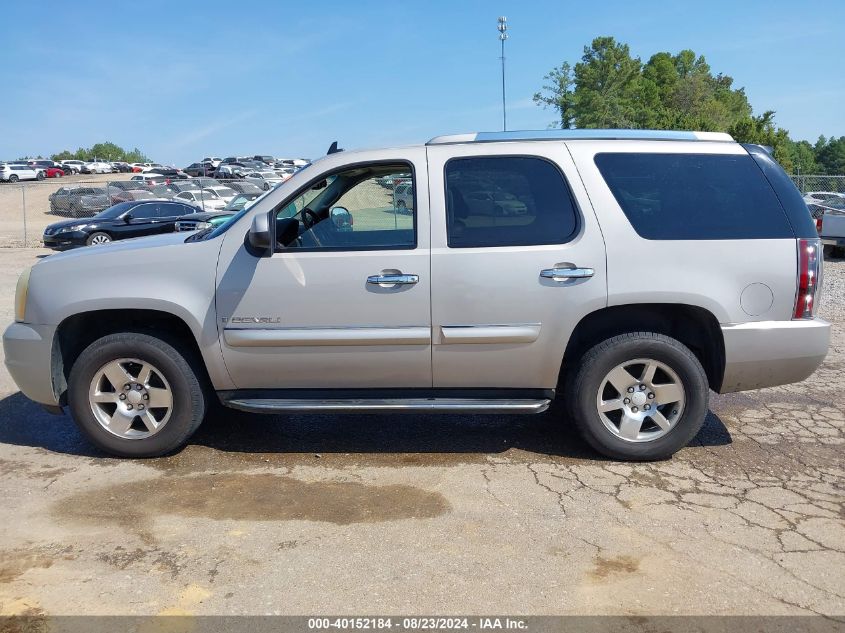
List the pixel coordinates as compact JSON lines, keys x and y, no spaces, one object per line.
{"x":694,"y":196}
{"x":507,"y":201}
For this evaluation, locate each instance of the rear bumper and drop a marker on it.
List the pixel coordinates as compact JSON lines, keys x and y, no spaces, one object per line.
{"x":29,"y":352}
{"x":770,"y":353}
{"x":833,"y":241}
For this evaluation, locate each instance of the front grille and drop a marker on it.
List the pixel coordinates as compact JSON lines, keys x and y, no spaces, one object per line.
{"x":186,"y":225}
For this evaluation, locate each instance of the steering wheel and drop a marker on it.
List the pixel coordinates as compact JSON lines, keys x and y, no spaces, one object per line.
{"x":309,"y":218}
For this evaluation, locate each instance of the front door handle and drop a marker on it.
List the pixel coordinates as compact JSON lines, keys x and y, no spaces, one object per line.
{"x":393,"y":279}
{"x":565,"y":274}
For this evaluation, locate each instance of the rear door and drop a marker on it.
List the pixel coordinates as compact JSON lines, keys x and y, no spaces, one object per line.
{"x":517,"y":260}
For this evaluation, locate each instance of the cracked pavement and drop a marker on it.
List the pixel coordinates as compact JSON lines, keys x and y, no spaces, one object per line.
{"x":432,"y":514}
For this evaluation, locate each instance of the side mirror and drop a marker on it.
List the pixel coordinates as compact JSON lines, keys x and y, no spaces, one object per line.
{"x":127,"y":218}
{"x":341,"y":218}
{"x":260,"y":236}
{"x":287,"y":231}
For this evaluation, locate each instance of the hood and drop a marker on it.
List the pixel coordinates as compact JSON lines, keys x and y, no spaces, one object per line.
{"x":139,"y":243}
{"x":75,"y":221}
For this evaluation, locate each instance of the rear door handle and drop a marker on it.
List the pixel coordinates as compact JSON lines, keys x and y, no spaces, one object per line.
{"x":393,"y":279}
{"x":565,"y":274}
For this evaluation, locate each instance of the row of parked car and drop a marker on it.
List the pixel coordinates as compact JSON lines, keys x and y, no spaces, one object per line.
{"x":231,"y":167}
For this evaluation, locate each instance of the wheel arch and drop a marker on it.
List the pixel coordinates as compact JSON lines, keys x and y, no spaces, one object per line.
{"x":78,"y":331}
{"x":695,"y":327}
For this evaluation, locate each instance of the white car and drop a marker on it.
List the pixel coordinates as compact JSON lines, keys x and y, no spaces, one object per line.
{"x":204,"y":199}
{"x":816,"y":197}
{"x":75,"y":166}
{"x":264,"y":179}
{"x":226,"y":194}
{"x":97,"y":167}
{"x":13,"y":172}
{"x":212,"y":160}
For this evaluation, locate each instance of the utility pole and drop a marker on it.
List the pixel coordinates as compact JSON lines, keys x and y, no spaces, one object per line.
{"x":503,"y":35}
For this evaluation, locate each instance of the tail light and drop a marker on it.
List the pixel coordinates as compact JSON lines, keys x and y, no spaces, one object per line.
{"x":819,"y":224}
{"x":809,"y":278}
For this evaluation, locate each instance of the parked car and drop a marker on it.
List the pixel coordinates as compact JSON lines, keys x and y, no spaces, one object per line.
{"x":138,"y":168}
{"x":185,"y":185}
{"x":265,"y":158}
{"x":211,"y":160}
{"x":199,"y":169}
{"x":96,"y":167}
{"x":202,"y":220}
{"x":230,"y":170}
{"x":171,"y":173}
{"x":403,"y":198}
{"x":241,"y":200}
{"x":264,"y":179}
{"x":242,"y":186}
{"x":829,"y":216}
{"x":133,"y":194}
{"x":51,"y":168}
{"x":150,"y":179}
{"x":121,"y":221}
{"x":75,"y":166}
{"x":121,"y":167}
{"x":13,"y":172}
{"x":205,"y":200}
{"x":282,"y":310}
{"x":819,"y":196}
{"x":226,"y":194}
{"x":69,"y":200}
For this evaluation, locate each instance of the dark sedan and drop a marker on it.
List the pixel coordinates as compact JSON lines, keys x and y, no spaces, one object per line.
{"x":122,"y":221}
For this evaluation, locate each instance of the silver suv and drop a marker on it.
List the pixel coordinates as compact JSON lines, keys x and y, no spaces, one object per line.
{"x":630,"y":271}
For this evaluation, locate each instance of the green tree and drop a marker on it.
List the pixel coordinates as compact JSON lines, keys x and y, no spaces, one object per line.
{"x":557,"y":93}
{"x":761,"y":130}
{"x":830,"y":155}
{"x":103,"y":151}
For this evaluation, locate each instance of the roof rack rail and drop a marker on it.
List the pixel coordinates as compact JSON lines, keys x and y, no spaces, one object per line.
{"x":569,"y":135}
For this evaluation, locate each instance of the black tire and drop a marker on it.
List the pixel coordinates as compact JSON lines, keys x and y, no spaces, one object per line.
{"x":583,"y":382}
{"x":13,"y":178}
{"x":39,"y":175}
{"x":177,"y":366}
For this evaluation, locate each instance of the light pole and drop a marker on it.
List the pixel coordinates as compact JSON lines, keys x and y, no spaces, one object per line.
{"x":503,"y":35}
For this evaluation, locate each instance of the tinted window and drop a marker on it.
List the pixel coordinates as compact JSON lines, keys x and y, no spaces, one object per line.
{"x":171,"y":210}
{"x":507,"y":201}
{"x":694,"y":196}
{"x":144,"y":211}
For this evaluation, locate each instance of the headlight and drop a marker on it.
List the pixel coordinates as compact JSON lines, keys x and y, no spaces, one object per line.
{"x":21,"y":291}
{"x":77,"y":227}
{"x":203,"y":225}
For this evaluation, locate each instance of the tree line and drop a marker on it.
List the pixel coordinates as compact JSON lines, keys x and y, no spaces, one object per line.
{"x":610,"y":88}
{"x":103,"y":151}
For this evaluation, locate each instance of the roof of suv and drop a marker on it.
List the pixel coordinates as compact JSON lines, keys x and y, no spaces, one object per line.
{"x":568,"y":135}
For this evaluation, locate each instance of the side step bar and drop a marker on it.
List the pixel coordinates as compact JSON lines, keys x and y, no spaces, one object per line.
{"x":389,"y":405}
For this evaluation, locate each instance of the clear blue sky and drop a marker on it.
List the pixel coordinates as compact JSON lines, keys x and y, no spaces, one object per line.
{"x":186,"y":80}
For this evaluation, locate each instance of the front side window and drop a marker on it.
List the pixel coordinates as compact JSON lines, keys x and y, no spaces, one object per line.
{"x":349,"y":210}
{"x":507,"y":201}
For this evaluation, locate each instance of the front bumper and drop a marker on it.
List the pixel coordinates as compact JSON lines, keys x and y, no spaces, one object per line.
{"x":769,"y":353}
{"x":28,"y":351}
{"x":64,"y":239}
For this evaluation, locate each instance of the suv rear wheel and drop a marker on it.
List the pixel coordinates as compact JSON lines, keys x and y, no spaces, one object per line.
{"x":638,"y":396}
{"x":135,"y":395}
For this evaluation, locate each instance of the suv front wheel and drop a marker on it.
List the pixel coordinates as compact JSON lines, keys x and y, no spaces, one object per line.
{"x":638,"y":396}
{"x":135,"y":395}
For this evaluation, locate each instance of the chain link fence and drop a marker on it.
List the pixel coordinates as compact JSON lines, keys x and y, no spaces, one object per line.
{"x":26,"y":209}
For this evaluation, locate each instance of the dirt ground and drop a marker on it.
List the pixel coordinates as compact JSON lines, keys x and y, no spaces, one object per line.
{"x":431,"y":514}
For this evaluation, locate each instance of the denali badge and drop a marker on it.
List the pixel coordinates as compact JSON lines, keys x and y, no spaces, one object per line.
{"x":236,"y":319}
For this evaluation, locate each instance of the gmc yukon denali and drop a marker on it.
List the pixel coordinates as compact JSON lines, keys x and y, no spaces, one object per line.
{"x":630,"y":272}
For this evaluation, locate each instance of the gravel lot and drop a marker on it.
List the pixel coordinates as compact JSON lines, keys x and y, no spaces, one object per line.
{"x":495,"y":514}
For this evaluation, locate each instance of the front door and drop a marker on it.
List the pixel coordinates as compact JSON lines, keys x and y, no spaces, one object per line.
{"x":517,"y":260}
{"x":344,"y":302}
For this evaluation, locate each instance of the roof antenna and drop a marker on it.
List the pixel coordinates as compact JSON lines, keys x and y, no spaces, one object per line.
{"x":333,"y":149}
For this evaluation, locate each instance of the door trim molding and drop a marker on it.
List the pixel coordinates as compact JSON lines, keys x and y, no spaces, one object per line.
{"x":323,"y":336}
{"x":498,"y":333}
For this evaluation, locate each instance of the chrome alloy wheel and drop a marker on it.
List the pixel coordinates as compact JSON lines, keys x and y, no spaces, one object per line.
{"x":641,"y":400}
{"x":100,"y":239}
{"x":130,"y":398}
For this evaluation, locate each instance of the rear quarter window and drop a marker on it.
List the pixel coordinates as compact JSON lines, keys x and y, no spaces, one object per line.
{"x":694,"y":196}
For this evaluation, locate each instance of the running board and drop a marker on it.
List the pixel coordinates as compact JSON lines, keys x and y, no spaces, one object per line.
{"x":389,"y":405}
